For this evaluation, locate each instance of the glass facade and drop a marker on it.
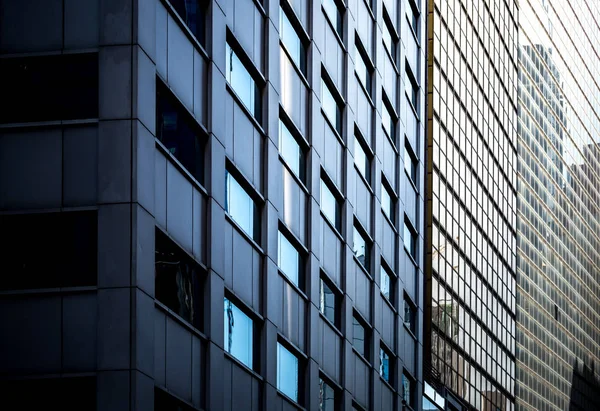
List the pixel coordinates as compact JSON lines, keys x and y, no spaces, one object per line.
{"x":558,"y":290}
{"x":471,"y":250}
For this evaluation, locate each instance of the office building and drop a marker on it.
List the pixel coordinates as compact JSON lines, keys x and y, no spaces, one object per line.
{"x":215,"y":205}
{"x":471,"y":205}
{"x":558,"y":295}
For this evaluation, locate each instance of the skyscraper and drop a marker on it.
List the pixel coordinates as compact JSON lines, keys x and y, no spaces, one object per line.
{"x":558,"y":328}
{"x":212,"y":205}
{"x":470,"y":265}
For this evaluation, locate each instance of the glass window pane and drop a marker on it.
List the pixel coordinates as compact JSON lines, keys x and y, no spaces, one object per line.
{"x":242,"y":82}
{"x":239,"y":332}
{"x":410,"y":165}
{"x":329,"y":205}
{"x":384,"y":279}
{"x":193,"y":15}
{"x":241,"y":207}
{"x":412,"y":91}
{"x":177,"y":131}
{"x":333,"y":12}
{"x":326,"y":397}
{"x":384,"y":365}
{"x":288,"y":259}
{"x":290,"y":151}
{"x":387,"y":121}
{"x":287,"y":372}
{"x":387,"y":205}
{"x":389,"y":42}
{"x":359,"y":337}
{"x":409,"y":316}
{"x":361,"y":249}
{"x":330,"y":107}
{"x":292,"y":42}
{"x":327,"y":302}
{"x":413,"y":17}
{"x":361,"y":160}
{"x":362,"y":71}
{"x":409,"y":240}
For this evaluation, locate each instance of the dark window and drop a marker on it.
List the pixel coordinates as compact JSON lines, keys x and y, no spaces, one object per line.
{"x":165,"y":402}
{"x":193,"y":14}
{"x":360,"y":338}
{"x":49,"y":88}
{"x":388,"y":120}
{"x":328,"y":301}
{"x":412,"y":14}
{"x":410,"y":239}
{"x":179,"y":133}
{"x":410,"y":164}
{"x":412,"y":89}
{"x":326,"y":397}
{"x":178,"y":280}
{"x":409,"y":316}
{"x":69,"y":394}
{"x":49,"y":250}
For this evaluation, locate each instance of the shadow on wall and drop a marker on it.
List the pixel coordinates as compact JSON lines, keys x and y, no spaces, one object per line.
{"x":585,"y":388}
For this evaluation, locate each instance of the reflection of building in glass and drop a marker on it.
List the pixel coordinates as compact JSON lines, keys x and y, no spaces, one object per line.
{"x":471,"y":215}
{"x":558,"y":296}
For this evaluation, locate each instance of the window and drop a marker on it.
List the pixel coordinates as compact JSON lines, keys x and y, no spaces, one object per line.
{"x":389,"y":40}
{"x":335,"y":16}
{"x":359,"y":337}
{"x":326,"y":397}
{"x":330,"y":206}
{"x":410,"y":239}
{"x":412,"y":14}
{"x":288,"y":259}
{"x":287,"y":372}
{"x":385,"y":281}
{"x":410,"y":164}
{"x":387,"y":202}
{"x":388,"y":122}
{"x":361,"y":249}
{"x":192,"y":12}
{"x":32,"y":257}
{"x":49,"y":88}
{"x":242,"y":82}
{"x":412,"y":90}
{"x":384,"y":364}
{"x":409,"y":316}
{"x":290,"y":151}
{"x":327,"y":302}
{"x":241,"y":208}
{"x":408,"y":386}
{"x":361,"y":160}
{"x":363,"y":71}
{"x":178,"y":132}
{"x":330,"y":107}
{"x":177,"y":280}
{"x":239,"y":333}
{"x":291,"y":41}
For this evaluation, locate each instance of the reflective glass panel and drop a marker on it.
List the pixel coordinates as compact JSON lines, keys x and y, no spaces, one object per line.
{"x":288,"y":259}
{"x":387,"y":121}
{"x":361,"y":160}
{"x":192,"y":12}
{"x":333,"y":12}
{"x":362,"y":72}
{"x":290,"y":151}
{"x":410,"y":165}
{"x":242,"y":83}
{"x":389,"y":42}
{"x":239,"y":331}
{"x":326,"y":397}
{"x":409,"y":240}
{"x":387,"y":204}
{"x":361,"y":249}
{"x":385,"y":286}
{"x":409,"y":316}
{"x":327,"y":302}
{"x":292,"y":42}
{"x":330,"y":107}
{"x":329,"y":205}
{"x":359,"y":337}
{"x":384,"y":364}
{"x":287,"y":372}
{"x":241,"y":207}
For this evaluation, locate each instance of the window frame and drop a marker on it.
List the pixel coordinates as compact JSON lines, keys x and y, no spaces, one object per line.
{"x":413,"y":97}
{"x":202,"y":6}
{"x":324,"y":280}
{"x":245,"y":310}
{"x":412,"y":324}
{"x":327,"y":84}
{"x":361,"y":54}
{"x":255,"y":236}
{"x":338,"y":26}
{"x":324,"y":380}
{"x":414,"y":237}
{"x":326,"y":182}
{"x":408,"y":151}
{"x":285,"y":10}
{"x":300,"y":359}
{"x":358,"y":229}
{"x":383,"y":349}
{"x":287,"y":124}
{"x":368,"y":156}
{"x":385,"y":270}
{"x":357,"y":319}
{"x":391,"y":112}
{"x":283,"y":232}
{"x":393,"y":36}
{"x":387,"y":189}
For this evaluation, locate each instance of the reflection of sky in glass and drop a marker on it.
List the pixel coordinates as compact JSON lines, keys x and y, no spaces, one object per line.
{"x":240,"y":206}
{"x":386,"y":202}
{"x":328,"y":204}
{"x":410,"y":166}
{"x":330,"y":106}
{"x":361,"y":68}
{"x":327,"y":302}
{"x":387,"y":40}
{"x":360,"y":248}
{"x":326,"y":397}
{"x":384,"y":279}
{"x":238,"y":333}
{"x":287,"y":258}
{"x":289,"y":148}
{"x":358,"y":336}
{"x":240,"y":80}
{"x":386,"y":120}
{"x":384,"y":364}
{"x":334,"y":14}
{"x":409,"y":240}
{"x":360,"y":159}
{"x":291,"y":40}
{"x":287,"y":372}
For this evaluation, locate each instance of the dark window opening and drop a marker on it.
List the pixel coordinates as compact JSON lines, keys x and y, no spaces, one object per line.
{"x":49,"y":88}
{"x":49,"y":250}
{"x":178,"y":280}
{"x":179,"y":133}
{"x":193,"y":14}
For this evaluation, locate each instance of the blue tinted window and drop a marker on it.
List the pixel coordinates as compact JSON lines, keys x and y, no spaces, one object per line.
{"x":290,"y":151}
{"x":330,"y":107}
{"x":385,"y":283}
{"x":335,"y":17}
{"x":239,"y":333}
{"x":287,"y":372}
{"x":329,"y":206}
{"x":359,"y":337}
{"x":327,"y":302}
{"x":387,"y":121}
{"x":288,"y":259}
{"x":326,"y":397}
{"x":361,"y":249}
{"x":361,"y":160}
{"x":362,"y":72}
{"x":241,"y":207}
{"x":389,"y":41}
{"x":387,"y":205}
{"x":242,"y":83}
{"x":292,"y":41}
{"x":192,"y":12}
{"x":384,"y":364}
{"x":409,"y":316}
{"x":410,"y":240}
{"x":407,"y":393}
